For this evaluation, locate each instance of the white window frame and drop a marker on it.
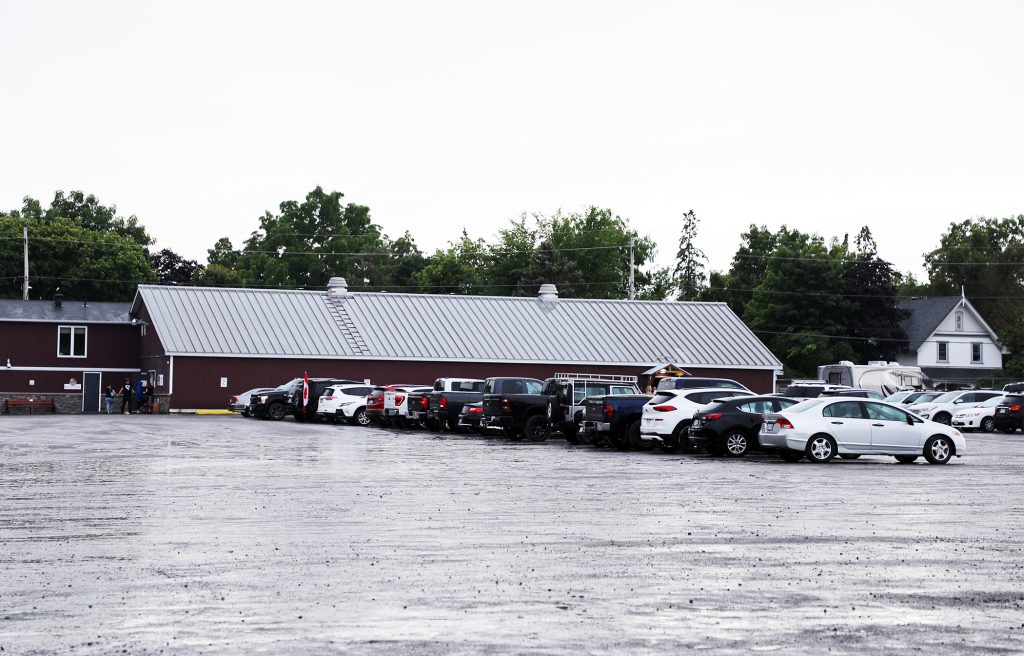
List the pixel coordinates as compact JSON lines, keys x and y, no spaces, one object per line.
{"x":981,"y":353}
{"x":85,"y":331}
{"x":938,"y":351}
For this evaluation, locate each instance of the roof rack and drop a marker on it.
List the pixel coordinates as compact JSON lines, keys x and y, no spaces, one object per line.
{"x":611,"y":378}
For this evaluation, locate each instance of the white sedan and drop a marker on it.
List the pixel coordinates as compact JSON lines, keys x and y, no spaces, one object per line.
{"x":820,"y":429}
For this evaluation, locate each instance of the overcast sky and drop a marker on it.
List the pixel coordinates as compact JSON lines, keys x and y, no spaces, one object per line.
{"x":826,"y":116}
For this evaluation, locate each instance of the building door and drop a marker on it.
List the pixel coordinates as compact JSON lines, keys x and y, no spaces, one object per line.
{"x":91,"y":396}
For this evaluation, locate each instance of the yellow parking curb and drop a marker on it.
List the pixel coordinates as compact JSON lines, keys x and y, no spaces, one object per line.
{"x":215,"y":412}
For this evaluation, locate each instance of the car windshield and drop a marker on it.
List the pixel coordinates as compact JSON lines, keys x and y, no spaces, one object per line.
{"x":287,"y":386}
{"x":947,"y":397}
{"x":803,"y":406}
{"x":897,"y":397}
{"x":993,"y":402}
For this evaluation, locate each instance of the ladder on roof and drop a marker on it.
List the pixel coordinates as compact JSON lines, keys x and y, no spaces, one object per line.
{"x":612,"y":378}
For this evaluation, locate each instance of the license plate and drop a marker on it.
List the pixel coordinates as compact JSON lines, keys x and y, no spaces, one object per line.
{"x":770,"y":427}
{"x":1000,"y":411}
{"x":391,"y":411}
{"x":648,"y":421}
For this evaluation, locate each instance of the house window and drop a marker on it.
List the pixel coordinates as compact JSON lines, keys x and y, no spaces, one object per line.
{"x":71,"y":341}
{"x":975,"y":353}
{"x":959,"y":321}
{"x":943,"y":352}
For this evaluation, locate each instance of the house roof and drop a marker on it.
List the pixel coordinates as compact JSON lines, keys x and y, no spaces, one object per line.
{"x":310,"y":324}
{"x":925,"y":316}
{"x":69,"y":311}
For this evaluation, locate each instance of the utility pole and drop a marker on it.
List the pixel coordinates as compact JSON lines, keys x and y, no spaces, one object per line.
{"x":632,"y":284}
{"x":24,"y":293}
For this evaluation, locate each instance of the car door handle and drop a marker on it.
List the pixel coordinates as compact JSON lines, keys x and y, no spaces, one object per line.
{"x":879,"y":425}
{"x":837,"y":422}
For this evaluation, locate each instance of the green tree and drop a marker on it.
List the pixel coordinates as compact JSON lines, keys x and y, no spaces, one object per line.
{"x":458,"y":269}
{"x":173,"y":269}
{"x":85,"y":211}
{"x":690,"y":278}
{"x":874,"y":323}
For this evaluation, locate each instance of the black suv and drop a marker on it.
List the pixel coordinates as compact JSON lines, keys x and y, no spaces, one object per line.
{"x":286,"y":399}
{"x":1009,"y":414}
{"x":731,"y":427}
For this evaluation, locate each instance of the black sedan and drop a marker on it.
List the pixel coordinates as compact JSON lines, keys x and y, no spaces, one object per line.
{"x":731,"y":427}
{"x":1009,"y":414}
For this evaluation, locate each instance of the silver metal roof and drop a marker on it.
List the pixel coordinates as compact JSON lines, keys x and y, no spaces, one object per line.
{"x":383,"y":326}
{"x":69,"y":311}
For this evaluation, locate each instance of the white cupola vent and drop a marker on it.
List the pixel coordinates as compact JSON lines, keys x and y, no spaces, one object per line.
{"x":337,"y":287}
{"x":548,"y":293}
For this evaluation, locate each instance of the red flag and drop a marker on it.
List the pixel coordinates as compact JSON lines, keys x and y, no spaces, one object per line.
{"x":305,"y":392}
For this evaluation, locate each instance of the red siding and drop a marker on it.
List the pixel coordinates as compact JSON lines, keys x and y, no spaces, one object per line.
{"x":197,"y":380}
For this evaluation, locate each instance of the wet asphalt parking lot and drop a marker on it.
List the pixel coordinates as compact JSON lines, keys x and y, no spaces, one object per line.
{"x":224,"y":535}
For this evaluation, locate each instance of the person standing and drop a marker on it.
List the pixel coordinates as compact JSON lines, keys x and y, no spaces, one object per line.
{"x":126,"y":396}
{"x":109,"y":399}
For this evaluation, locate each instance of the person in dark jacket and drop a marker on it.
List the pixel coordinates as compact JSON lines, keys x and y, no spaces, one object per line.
{"x":126,"y":396}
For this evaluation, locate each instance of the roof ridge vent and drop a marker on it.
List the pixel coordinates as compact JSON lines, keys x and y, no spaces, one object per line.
{"x":337,"y":288}
{"x":548,"y":293}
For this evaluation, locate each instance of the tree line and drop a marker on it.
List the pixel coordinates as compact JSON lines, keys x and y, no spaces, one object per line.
{"x":811,"y":299}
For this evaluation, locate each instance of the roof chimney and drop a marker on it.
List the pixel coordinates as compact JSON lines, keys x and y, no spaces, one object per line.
{"x":58,"y":300}
{"x":337,"y":288}
{"x":548,"y":293}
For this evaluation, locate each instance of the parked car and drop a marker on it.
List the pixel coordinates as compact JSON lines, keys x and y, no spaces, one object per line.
{"x":446,"y":399}
{"x":694,"y":382}
{"x":613,"y":421}
{"x":666,"y":417}
{"x":1013,"y":388}
{"x":286,"y":399}
{"x":1009,"y":414}
{"x":979,"y":417}
{"x":470,"y":416}
{"x":809,"y":389}
{"x":240,"y":402}
{"x":396,"y":403}
{"x":556,"y":409}
{"x":375,"y":403}
{"x":416,"y":408}
{"x":942,"y":407}
{"x":856,"y":393}
{"x":345,"y":403}
{"x":820,"y":429}
{"x":497,"y":402}
{"x":731,"y":427}
{"x":921,"y":397}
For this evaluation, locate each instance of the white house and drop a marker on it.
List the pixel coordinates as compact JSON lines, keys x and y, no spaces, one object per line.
{"x":950,"y":340}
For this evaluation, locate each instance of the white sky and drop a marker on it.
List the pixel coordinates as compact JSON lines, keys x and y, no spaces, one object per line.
{"x":199,"y":116}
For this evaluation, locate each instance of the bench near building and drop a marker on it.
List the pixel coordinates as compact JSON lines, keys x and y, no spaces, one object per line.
{"x":205,"y":343}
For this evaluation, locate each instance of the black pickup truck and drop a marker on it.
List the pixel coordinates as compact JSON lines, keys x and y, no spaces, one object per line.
{"x":286,"y":399}
{"x":557,"y":408}
{"x":446,"y":401}
{"x":614,"y":421}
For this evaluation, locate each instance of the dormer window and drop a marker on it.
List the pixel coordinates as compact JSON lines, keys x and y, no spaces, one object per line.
{"x":959,"y":321}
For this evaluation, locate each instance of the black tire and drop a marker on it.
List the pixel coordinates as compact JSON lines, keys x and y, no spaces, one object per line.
{"x":360,"y":418}
{"x":681,"y":439}
{"x":906,"y":460}
{"x":849,"y":456}
{"x":791,"y":456}
{"x":633,"y":436}
{"x":735,"y":444}
{"x":820,"y":449}
{"x":511,"y":434}
{"x":536,"y":428}
{"x":245,"y":413}
{"x":988,"y":425}
{"x":432,"y":425}
{"x":298,"y":416}
{"x":938,"y":449}
{"x":572,"y":435}
{"x":942,"y":418}
{"x":275,"y":411}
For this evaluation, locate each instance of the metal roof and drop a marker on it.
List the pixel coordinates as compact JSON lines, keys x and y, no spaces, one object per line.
{"x":384,"y":326}
{"x":68,"y":312}
{"x":925,"y":316}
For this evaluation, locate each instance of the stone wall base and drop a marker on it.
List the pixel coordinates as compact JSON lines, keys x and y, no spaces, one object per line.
{"x":70,"y":404}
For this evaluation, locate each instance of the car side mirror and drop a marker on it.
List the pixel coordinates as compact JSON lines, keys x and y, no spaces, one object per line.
{"x":910,"y":420}
{"x":958,"y":401}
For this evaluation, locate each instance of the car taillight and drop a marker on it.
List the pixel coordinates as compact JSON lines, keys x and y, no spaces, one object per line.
{"x":424,"y":403}
{"x":713,"y":416}
{"x":784,"y":423}
{"x":1015,"y":408}
{"x":664,"y":408}
{"x":327,"y":398}
{"x":608,"y":411}
{"x":398,"y":399}
{"x":506,"y":405}
{"x":234,"y":399}
{"x":475,"y":411}
{"x":443,"y":402}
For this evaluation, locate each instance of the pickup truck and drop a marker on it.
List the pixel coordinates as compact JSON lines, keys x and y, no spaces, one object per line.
{"x":396,"y":404}
{"x":557,"y":407}
{"x":614,"y":421}
{"x":446,"y":401}
{"x":418,"y":404}
{"x":376,"y":403}
{"x":286,"y":399}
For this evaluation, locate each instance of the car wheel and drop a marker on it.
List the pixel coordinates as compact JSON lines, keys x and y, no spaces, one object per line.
{"x":942,"y":418}
{"x":361,"y":418}
{"x":906,"y":460}
{"x":680,"y":438}
{"x":536,"y":428}
{"x":938,"y":450}
{"x":791,"y":456}
{"x":735,"y":444}
{"x":633,"y":436}
{"x":820,"y":448}
{"x":988,"y":425}
{"x":572,"y":435}
{"x":849,"y":456}
{"x":245,"y":413}
{"x":275,"y":411}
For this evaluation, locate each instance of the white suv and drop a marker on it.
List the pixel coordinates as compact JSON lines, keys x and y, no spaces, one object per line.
{"x":667,"y":416}
{"x":941,"y":408}
{"x":346,"y":402}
